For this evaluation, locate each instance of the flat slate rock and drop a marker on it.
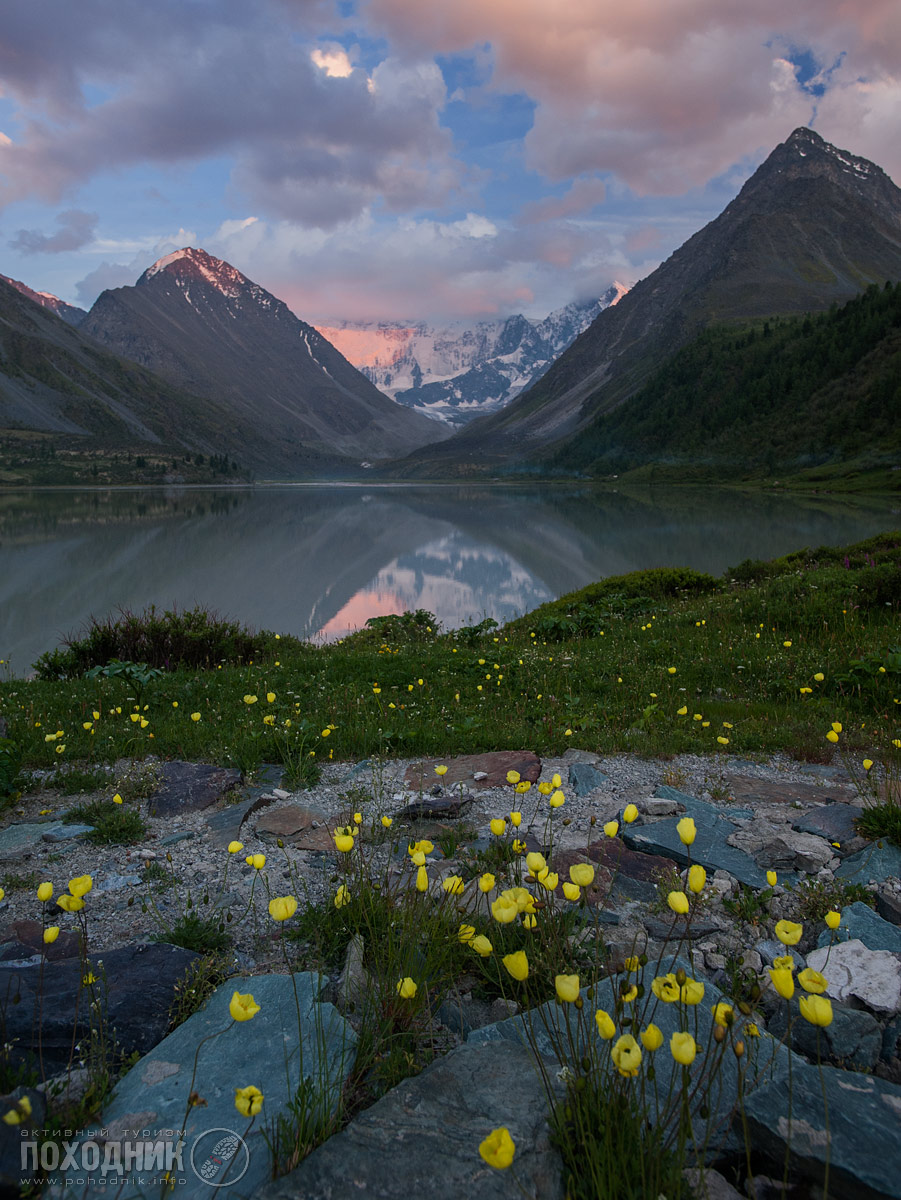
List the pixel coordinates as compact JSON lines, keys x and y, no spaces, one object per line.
{"x":225,"y":823}
{"x":880,"y":861}
{"x":449,"y":805}
{"x":859,"y":921}
{"x":135,"y":985}
{"x":495,"y":765}
{"x":191,"y":787}
{"x":26,"y":938}
{"x":422,"y":1138}
{"x":710,"y":848}
{"x":786,"y":791}
{"x":264,"y":1051}
{"x":585,"y":778}
{"x":288,"y":822}
{"x":620,"y":873}
{"x":66,"y":833}
{"x":835,"y":823}
{"x":16,"y":839}
{"x":853,"y":1040}
{"x":702,"y":810}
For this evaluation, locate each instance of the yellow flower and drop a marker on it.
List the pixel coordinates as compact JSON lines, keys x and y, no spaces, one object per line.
{"x":629,"y":996}
{"x":606,"y":1028}
{"x":651,"y":1038}
{"x":421,"y":847}
{"x":771,"y":878}
{"x":516,"y":819}
{"x":536,"y":863}
{"x":270,"y":696}
{"x":513,"y":777}
{"x":234,"y":847}
{"x":282,"y":907}
{"x":342,"y":896}
{"x":521,"y":897}
{"x":45,"y":891}
{"x":723,"y":741}
{"x":70,"y":904}
{"x":571,"y":891}
{"x":522,"y":787}
{"x":836,"y":727}
{"x":556,"y":781}
{"x":453,"y":884}
{"x":686,"y":831}
{"x":691,"y":992}
{"x":442,"y":770}
{"x":683,"y":1048}
{"x":683,"y":711}
{"x":387,"y":822}
{"x":816,"y":1009}
{"x":567,"y":987}
{"x":812,"y":981}
{"x":466,"y":933}
{"x":611,"y":829}
{"x":666,"y":988}
{"x":671,"y":670}
{"x":195,"y":716}
{"x":783,"y":981}
{"x":518,"y":846}
{"x":256,"y":860}
{"x":517,"y":965}
{"x":422,"y":879}
{"x":250,"y":699}
{"x":406,"y":988}
{"x":545,"y":787}
{"x":486,"y":882}
{"x":243,"y":1007}
{"x":344,"y":842}
{"x":248,"y":1101}
{"x":626,"y":1055}
{"x":867,"y":763}
{"x":504,"y":910}
{"x":498,"y":826}
{"x":81,"y":885}
{"x":481,"y":945}
{"x":88,"y":979}
{"x":549,"y":879}
{"x":630,"y":814}
{"x":697,"y":877}
{"x":789,"y":932}
{"x":17,"y":1114}
{"x":557,"y":798}
{"x":135,"y":717}
{"x":498,"y":1148}
{"x":269,"y":719}
{"x":833,"y":919}
{"x":785,"y":961}
{"x":831,"y":736}
{"x":819,"y":677}
{"x":51,"y":933}
{"x":723,"y":1014}
{"x":678,"y":902}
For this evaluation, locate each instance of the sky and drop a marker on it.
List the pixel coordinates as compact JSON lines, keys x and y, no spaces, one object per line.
{"x":413,"y":159}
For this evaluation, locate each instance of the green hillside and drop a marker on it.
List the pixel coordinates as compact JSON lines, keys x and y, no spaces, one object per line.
{"x":782,"y":395}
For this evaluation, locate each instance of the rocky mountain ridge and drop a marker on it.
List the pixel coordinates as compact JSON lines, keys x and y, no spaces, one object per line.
{"x":69,"y":312}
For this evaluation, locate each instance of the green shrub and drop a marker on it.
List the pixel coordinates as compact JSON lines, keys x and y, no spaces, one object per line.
{"x":205,"y":935}
{"x":114,"y":824}
{"x":10,"y":762}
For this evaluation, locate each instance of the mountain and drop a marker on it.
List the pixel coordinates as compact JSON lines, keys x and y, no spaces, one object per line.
{"x":814,"y":225}
{"x":69,"y":313}
{"x":457,"y":372}
{"x":203,"y":326}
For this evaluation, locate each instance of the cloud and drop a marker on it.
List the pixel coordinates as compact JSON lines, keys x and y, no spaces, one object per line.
{"x":76,"y":230}
{"x":124,"y":274}
{"x":581,"y":197}
{"x":667,"y":94}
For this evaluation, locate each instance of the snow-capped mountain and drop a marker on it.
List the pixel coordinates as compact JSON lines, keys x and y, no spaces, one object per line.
{"x":68,"y":312}
{"x":457,"y":372}
{"x":205,"y":327}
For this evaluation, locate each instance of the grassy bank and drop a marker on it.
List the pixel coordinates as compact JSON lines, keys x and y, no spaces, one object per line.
{"x":657,"y":662}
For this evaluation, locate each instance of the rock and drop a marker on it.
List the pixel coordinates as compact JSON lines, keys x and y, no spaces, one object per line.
{"x":781,"y":849}
{"x":225,"y":823}
{"x":859,"y":921}
{"x":853,"y":1040}
{"x":872,"y":977}
{"x":262,"y":1052}
{"x":422,"y":1138}
{"x":766,"y":791}
{"x":620,"y":873}
{"x":770,"y":949}
{"x":492,"y":768}
{"x":135,"y":986}
{"x":879,"y":861}
{"x":861,"y":1110}
{"x":709,"y":1184}
{"x":190,"y":787}
{"x":66,"y":833}
{"x":710,"y":847}
{"x":891,"y":1040}
{"x":17,"y":839}
{"x":666,"y":928}
{"x":835,"y":823}
{"x":701,"y":810}
{"x":174,"y":838}
{"x":451,"y":805}
{"x":353,"y":982}
{"x":580,"y":756}
{"x":657,"y":807}
{"x":585,"y":778}
{"x":287,"y":822}
{"x":888,"y":905}
{"x":29,"y":939}
{"x":114,"y":882}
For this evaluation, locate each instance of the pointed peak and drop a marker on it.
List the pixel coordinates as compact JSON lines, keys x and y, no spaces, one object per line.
{"x":192,"y":264}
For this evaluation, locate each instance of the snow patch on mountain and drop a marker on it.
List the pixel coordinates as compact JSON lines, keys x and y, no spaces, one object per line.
{"x":456,"y":372}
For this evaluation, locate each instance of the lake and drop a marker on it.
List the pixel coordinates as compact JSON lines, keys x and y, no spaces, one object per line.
{"x":318,"y":560}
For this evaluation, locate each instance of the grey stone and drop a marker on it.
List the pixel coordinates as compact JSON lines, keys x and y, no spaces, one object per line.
{"x":263,"y":1051}
{"x":422,"y":1138}
{"x":174,"y":838}
{"x":888,"y":905}
{"x":879,"y":861}
{"x":585,"y":778}
{"x":225,"y":823}
{"x":452,"y":804}
{"x":853,"y":1039}
{"x":353,"y":982}
{"x":859,"y":921}
{"x":135,"y":986}
{"x":835,"y":823}
{"x":190,"y":787}
{"x":658,"y":807}
{"x":710,"y":1184}
{"x":872,"y":977}
{"x":66,"y":833}
{"x":710,"y":847}
{"x":701,"y":810}
{"x":18,"y":838}
{"x":861,"y":1112}
{"x":770,"y":949}
{"x":891,"y":1040}
{"x":114,"y":882}
{"x":781,"y":849}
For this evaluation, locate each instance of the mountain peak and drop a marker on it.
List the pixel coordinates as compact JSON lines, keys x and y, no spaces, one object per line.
{"x":194,"y":264}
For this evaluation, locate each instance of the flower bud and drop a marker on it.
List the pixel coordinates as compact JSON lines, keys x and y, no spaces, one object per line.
{"x":738,"y":1049}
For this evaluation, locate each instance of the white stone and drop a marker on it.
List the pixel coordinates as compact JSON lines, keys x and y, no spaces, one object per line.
{"x":856,"y":973}
{"x":280,"y":793}
{"x":479,"y":775}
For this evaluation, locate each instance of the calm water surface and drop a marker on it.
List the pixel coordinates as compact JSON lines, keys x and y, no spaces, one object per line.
{"x":317,"y":561}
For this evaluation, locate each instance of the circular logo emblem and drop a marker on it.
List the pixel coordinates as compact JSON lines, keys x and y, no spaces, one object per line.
{"x":219,"y":1157}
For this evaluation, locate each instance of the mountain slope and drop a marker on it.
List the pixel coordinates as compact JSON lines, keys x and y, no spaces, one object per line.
{"x":813,"y":225}
{"x":205,"y":327}
{"x":69,"y":313}
{"x":458,"y":372}
{"x":796,"y":394}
